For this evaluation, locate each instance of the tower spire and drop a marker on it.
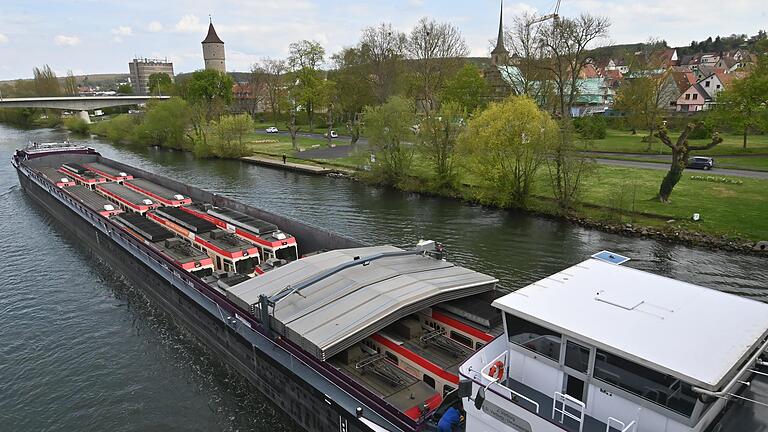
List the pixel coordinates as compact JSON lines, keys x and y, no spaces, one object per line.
{"x":500,"y":55}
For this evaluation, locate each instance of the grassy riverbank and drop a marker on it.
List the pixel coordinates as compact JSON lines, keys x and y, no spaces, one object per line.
{"x":618,"y":141}
{"x":611,"y":195}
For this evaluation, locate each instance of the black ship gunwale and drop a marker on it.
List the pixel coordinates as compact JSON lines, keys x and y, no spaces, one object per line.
{"x":359,"y":392}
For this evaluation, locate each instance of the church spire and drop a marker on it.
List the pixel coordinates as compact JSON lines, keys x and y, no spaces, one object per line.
{"x":500,"y":55}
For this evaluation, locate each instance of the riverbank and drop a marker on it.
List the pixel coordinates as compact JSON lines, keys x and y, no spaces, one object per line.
{"x":619,"y":200}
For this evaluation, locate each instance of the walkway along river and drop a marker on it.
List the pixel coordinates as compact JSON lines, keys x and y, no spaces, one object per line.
{"x":80,"y":349}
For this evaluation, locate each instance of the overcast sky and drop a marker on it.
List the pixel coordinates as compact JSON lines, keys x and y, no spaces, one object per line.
{"x":101,"y":36}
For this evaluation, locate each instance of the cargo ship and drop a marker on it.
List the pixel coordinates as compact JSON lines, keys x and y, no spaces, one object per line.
{"x":343,"y":336}
{"x":340,"y":335}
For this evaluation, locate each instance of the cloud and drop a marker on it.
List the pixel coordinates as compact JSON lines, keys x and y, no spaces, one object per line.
{"x":3,"y":38}
{"x":155,"y":27}
{"x":189,"y":24}
{"x":63,"y":40}
{"x":121,"y":31}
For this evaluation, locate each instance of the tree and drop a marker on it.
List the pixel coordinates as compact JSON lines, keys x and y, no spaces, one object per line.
{"x":641,"y":99}
{"x":506,"y":144}
{"x":680,"y":151}
{"x":467,"y":88}
{"x":353,"y":90}
{"x":388,"y":126}
{"x":744,"y":106}
{"x":70,"y":84}
{"x":566,"y":42}
{"x":305,"y":59}
{"x":160,"y":83}
{"x":437,"y":50}
{"x":125,"y":89}
{"x":165,"y":123}
{"x":437,"y":137}
{"x":273,"y":71}
{"x":230,"y":131}
{"x":211,"y":90}
{"x":46,"y":82}
{"x":567,"y":166}
{"x":257,"y":83}
{"x":305,"y":54}
{"x":308,"y":91}
{"x":528,"y":76}
{"x":380,"y":54}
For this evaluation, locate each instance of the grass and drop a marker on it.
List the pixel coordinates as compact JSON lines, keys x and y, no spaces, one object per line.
{"x":624,"y":142}
{"x":732,"y":209}
{"x":614,"y":194}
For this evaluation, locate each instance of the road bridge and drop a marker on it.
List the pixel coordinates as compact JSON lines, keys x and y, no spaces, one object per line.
{"x":83,"y":104}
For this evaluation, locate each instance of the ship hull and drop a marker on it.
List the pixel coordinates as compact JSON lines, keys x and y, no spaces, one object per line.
{"x":270,"y":372}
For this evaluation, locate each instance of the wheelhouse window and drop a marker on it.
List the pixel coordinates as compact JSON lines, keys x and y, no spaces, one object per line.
{"x":288,"y":254}
{"x":533,"y":337}
{"x":576,"y":356}
{"x":651,"y":385}
{"x":245,"y":266}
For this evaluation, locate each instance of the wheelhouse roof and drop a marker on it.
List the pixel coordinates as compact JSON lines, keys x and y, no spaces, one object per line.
{"x":697,"y":334}
{"x":336,"y":312}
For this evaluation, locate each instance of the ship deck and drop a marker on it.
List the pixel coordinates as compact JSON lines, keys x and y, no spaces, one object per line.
{"x":55,"y":175}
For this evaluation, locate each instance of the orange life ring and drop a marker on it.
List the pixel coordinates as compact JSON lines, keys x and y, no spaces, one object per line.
{"x":497,"y":370}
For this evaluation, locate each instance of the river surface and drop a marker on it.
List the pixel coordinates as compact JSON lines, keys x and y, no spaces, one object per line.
{"x":80,"y":349}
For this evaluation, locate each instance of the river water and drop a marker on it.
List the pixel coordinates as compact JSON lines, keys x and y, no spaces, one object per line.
{"x":80,"y":349}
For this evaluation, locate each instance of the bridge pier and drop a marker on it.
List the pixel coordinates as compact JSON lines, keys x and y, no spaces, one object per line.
{"x":84,"y":115}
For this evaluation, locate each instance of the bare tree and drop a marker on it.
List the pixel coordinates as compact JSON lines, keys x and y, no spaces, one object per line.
{"x":566,"y":41}
{"x":70,"y":84}
{"x":382,"y":49}
{"x":437,"y":50}
{"x":273,"y":71}
{"x":528,"y":77}
{"x":257,"y":87}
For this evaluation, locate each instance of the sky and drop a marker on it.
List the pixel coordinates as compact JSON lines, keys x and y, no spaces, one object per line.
{"x":102,"y":36}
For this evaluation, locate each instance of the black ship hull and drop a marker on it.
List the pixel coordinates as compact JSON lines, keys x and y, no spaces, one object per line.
{"x":309,"y":402}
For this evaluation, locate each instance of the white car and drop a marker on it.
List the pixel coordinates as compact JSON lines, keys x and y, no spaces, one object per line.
{"x":333,"y":134}
{"x":272,"y":129}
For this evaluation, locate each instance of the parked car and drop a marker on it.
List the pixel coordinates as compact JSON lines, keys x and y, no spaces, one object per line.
{"x":333,"y":134}
{"x":272,"y":129}
{"x":701,"y":162}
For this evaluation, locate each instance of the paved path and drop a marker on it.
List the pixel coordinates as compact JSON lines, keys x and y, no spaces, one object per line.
{"x":659,"y":166}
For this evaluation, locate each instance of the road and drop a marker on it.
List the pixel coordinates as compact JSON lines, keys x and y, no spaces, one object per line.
{"x":343,"y":149}
{"x":658,"y":166}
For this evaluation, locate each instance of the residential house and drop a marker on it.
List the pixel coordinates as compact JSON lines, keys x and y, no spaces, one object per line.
{"x":594,"y":96}
{"x":248,"y":98}
{"x":692,"y":100}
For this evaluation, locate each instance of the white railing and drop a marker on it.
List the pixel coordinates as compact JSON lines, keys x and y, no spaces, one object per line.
{"x":620,"y":426}
{"x":565,"y":402}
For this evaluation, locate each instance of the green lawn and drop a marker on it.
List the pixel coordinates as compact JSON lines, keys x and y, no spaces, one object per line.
{"x":732,"y":209}
{"x":616,"y":193}
{"x":624,"y":142}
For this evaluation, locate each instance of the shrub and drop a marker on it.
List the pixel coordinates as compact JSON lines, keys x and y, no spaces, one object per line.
{"x":701,"y":131}
{"x":591,"y":127}
{"x":76,"y":125}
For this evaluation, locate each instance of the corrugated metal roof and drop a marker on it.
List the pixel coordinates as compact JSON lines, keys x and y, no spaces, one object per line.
{"x":340,"y":310}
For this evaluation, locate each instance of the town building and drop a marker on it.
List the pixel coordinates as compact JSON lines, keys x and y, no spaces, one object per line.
{"x":213,"y":50}
{"x":141,"y":69}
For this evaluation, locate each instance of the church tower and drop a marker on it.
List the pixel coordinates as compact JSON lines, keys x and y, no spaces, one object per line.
{"x":213,"y":50}
{"x":500,"y":55}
